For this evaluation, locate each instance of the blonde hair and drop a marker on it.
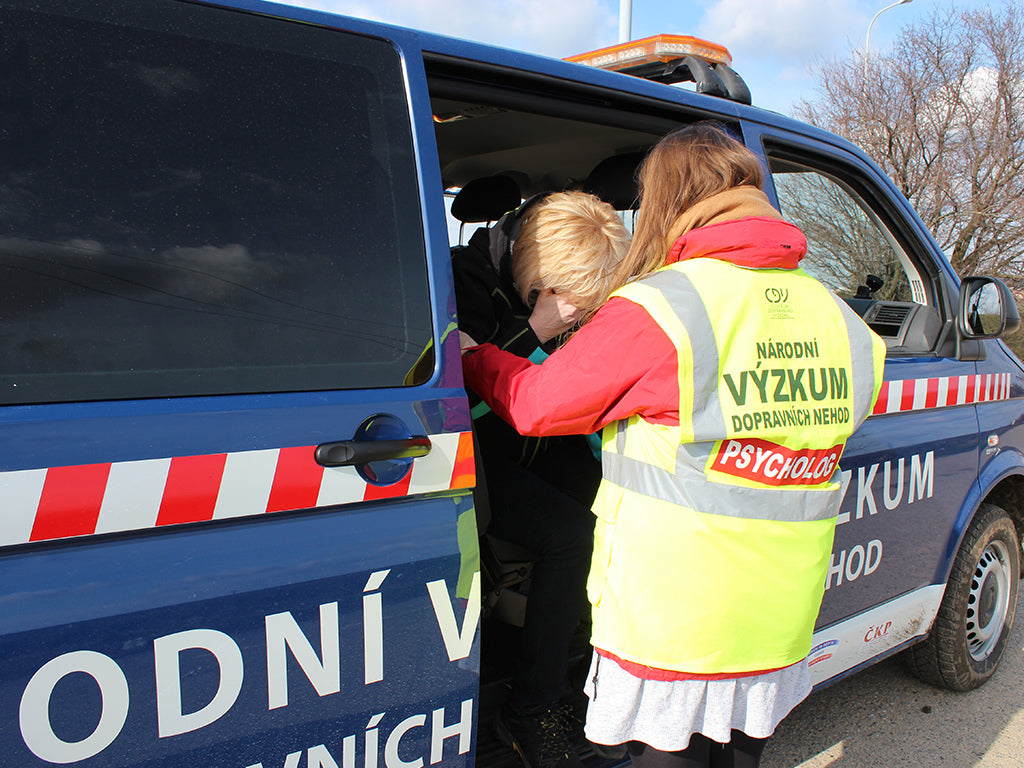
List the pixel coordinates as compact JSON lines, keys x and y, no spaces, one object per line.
{"x":685,"y":167}
{"x":571,"y":242}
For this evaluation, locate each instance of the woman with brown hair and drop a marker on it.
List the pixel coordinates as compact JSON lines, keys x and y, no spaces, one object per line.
{"x":726,"y":381}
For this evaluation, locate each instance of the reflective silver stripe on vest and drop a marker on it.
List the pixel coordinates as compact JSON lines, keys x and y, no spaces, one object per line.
{"x":861,"y":348}
{"x":681,"y":294}
{"x":689,"y":486}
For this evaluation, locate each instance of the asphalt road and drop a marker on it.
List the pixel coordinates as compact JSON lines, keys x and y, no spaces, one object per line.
{"x":883,"y":717}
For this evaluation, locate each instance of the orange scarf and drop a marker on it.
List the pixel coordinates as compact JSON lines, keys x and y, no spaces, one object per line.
{"x":730,"y":205}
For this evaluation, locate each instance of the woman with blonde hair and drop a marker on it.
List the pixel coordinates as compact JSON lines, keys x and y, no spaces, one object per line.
{"x":717,"y":507}
{"x":540,"y":271}
{"x":570,"y":243}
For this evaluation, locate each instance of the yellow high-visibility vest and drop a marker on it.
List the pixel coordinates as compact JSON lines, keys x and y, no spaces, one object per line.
{"x":713,"y":537}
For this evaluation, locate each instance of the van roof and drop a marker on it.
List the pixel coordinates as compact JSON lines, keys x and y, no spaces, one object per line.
{"x":439,"y":49}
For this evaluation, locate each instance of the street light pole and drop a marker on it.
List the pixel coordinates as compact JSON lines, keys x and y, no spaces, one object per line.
{"x":625,"y":20}
{"x":867,"y":41}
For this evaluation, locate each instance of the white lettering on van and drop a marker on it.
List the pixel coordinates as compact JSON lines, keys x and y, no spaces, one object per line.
{"x":283,"y":631}
{"x":371,"y":741}
{"x":853,"y":563}
{"x":373,"y":628}
{"x":889,"y":501}
{"x":34,"y":711}
{"x":922,"y":476}
{"x":171,"y":721}
{"x":284,"y":638}
{"x":456,"y":642}
{"x":865,"y":493}
{"x":895,"y":489}
{"x":391,"y":756}
{"x":463,"y":728}
{"x":396,"y":755}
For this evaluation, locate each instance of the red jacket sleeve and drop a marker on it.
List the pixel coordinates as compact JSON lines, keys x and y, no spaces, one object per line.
{"x":618,"y":364}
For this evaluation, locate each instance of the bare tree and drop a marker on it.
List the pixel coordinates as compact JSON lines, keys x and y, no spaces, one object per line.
{"x":845,"y":245}
{"x":943,"y":114}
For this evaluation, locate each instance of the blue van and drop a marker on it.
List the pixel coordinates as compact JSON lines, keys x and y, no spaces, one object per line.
{"x":237,"y":525}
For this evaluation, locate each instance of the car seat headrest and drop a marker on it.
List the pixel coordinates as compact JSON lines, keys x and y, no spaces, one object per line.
{"x":486,"y":199}
{"x":614,"y":180}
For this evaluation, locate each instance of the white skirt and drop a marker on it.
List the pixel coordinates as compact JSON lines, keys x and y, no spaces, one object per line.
{"x":664,"y":714}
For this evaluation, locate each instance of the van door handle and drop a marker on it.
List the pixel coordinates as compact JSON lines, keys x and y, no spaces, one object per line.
{"x":349,"y":453}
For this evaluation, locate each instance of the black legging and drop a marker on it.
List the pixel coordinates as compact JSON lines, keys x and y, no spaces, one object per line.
{"x":742,"y":751}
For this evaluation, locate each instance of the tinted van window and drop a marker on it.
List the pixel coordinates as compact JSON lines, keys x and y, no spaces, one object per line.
{"x":185,"y":213}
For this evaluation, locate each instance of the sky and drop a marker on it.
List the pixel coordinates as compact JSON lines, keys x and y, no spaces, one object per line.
{"x":773,"y":43}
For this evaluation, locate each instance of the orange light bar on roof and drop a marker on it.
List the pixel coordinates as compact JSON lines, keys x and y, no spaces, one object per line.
{"x":653,"y":49}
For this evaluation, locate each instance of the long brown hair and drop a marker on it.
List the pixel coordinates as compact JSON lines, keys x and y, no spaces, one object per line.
{"x":685,"y":167}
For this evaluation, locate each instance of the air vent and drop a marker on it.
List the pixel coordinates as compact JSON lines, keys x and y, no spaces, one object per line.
{"x":888,"y":319}
{"x":889,"y":314}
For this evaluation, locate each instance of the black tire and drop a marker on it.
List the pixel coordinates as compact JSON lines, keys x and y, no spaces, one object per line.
{"x":976,"y":615}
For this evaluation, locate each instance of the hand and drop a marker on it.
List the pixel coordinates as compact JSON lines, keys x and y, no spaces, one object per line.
{"x":466,"y":341}
{"x":553,"y":315}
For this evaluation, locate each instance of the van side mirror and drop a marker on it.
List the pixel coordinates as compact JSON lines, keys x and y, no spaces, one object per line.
{"x":987,"y":309}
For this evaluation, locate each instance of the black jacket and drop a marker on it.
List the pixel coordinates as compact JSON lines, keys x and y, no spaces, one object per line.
{"x":490,"y":310}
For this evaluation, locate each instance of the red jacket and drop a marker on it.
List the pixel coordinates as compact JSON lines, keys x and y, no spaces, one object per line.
{"x":620,"y":363}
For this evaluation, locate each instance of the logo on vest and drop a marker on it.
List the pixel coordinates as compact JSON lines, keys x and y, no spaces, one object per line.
{"x":778,"y":306}
{"x":765,"y":462}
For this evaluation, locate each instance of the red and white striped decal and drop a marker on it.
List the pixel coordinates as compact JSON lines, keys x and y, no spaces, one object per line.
{"x":942,"y":392}
{"x":59,"y":502}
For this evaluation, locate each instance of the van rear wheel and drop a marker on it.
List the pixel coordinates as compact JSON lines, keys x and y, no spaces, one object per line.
{"x":976,"y":615}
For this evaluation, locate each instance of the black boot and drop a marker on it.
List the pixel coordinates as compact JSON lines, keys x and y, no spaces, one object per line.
{"x":543,"y":740}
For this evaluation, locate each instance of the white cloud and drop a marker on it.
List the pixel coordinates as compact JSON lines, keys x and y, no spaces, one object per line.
{"x":781,"y":29}
{"x":213,"y":272}
{"x":982,"y":85}
{"x":550,"y":27}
